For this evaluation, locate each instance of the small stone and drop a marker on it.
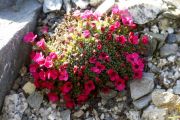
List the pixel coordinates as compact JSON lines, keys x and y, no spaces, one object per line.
{"x":106,"y":96}
{"x":170,"y":30}
{"x":23,"y":71}
{"x":171,"y":38}
{"x":78,"y":114}
{"x":176,"y":88}
{"x":66,"y":115}
{"x":154,"y":113}
{"x":35,"y":100}
{"x":142,"y":102}
{"x":139,"y":88}
{"x":29,"y":88}
{"x":51,"y":5}
{"x":168,"y":49}
{"x":154,"y":29}
{"x":163,"y":24}
{"x":81,"y":3}
{"x":171,"y":58}
{"x":95,"y":3}
{"x":102,"y":116}
{"x":133,"y":115}
{"x":67,"y":5}
{"x":105,"y":7}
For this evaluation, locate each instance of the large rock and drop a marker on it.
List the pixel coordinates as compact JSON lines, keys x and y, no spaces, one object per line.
{"x":13,"y":52}
{"x":175,"y":3}
{"x":168,"y":49}
{"x":139,"y":88}
{"x":142,"y":11}
{"x":6,"y":3}
{"x":154,"y":113}
{"x":14,"y":107}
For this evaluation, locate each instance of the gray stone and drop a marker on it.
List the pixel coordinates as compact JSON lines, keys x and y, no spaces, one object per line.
{"x":13,"y":52}
{"x":171,"y":38}
{"x":81,"y":3}
{"x":52,"y":5}
{"x":66,"y":115}
{"x":168,"y":49}
{"x":14,"y":107}
{"x":176,"y":88}
{"x":139,"y":88}
{"x":95,"y":3}
{"x":133,"y":115}
{"x":173,"y":2}
{"x":106,"y":96}
{"x":154,"y":29}
{"x":142,"y":11}
{"x":35,"y":100}
{"x":78,"y":114}
{"x":6,"y":3}
{"x":178,"y":38}
{"x":67,"y":5}
{"x":105,"y":7}
{"x":142,"y":102}
{"x":154,"y":113}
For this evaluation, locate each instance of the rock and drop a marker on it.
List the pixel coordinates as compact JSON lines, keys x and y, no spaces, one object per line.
{"x":142,"y":11}
{"x":95,"y":3}
{"x":78,"y":114}
{"x":178,"y":38}
{"x":133,"y":115}
{"x":154,"y":29}
{"x":35,"y":100}
{"x":52,"y":5}
{"x":7,"y":3}
{"x":171,"y":58}
{"x":54,"y":115}
{"x":106,"y":96}
{"x":142,"y":102}
{"x":105,"y":7}
{"x":171,"y":38}
{"x":176,"y":88}
{"x":170,"y":30}
{"x":172,"y":14}
{"x":81,"y":3}
{"x":41,"y":1}
{"x":168,"y":49}
{"x":66,"y":115}
{"x":163,"y":24}
{"x":139,"y":88}
{"x":173,"y":2}
{"x":13,"y":26}
{"x":154,"y":113}
{"x":14,"y":107}
{"x":29,"y":88}
{"x":67,"y":5}
{"x":165,"y":99}
{"x":102,"y":116}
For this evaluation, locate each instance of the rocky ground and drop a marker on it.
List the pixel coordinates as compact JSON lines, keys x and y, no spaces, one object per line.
{"x":155,"y":97}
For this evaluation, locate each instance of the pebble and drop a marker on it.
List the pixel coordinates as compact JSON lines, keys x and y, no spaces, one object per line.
{"x":102,"y":116}
{"x":52,"y":5}
{"x":29,"y":88}
{"x":83,"y":4}
{"x":65,"y":115}
{"x":168,"y":49}
{"x":154,"y":29}
{"x":171,"y":38}
{"x":170,"y":30}
{"x":35,"y":100}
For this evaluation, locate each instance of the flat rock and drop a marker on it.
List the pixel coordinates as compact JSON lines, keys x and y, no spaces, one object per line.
{"x":35,"y":100}
{"x":106,"y":96}
{"x":81,"y":3}
{"x":105,"y":7}
{"x":133,"y":115}
{"x":142,"y":102}
{"x":95,"y":3}
{"x":29,"y":88}
{"x":66,"y":115}
{"x":173,"y":2}
{"x":139,"y":88}
{"x":176,"y":88}
{"x":142,"y":11}
{"x":154,"y":113}
{"x":168,"y":49}
{"x":52,"y":5}
{"x":14,"y":107}
{"x":13,"y":51}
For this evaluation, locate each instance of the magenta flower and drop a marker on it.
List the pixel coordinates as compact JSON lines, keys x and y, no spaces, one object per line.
{"x":89,"y":86}
{"x":42,"y":75}
{"x":48,"y":62}
{"x":33,"y":67}
{"x":113,"y":75}
{"x":53,"y":97}
{"x":120,"y":84}
{"x":66,"y":88}
{"x":53,"y":55}
{"x":98,"y":68}
{"x":41,"y":44}
{"x":76,"y":13}
{"x":29,"y":37}
{"x":132,"y":57}
{"x":87,"y":14}
{"x":104,"y":56}
{"x":145,"y":39}
{"x":117,"y":24}
{"x":44,"y":29}
{"x":92,"y":60}
{"x":86,"y":33}
{"x":121,"y":39}
{"x":63,"y":75}
{"x":137,"y":75}
{"x":39,"y":58}
{"x":115,"y":10}
{"x":138,"y":65}
{"x":52,"y":74}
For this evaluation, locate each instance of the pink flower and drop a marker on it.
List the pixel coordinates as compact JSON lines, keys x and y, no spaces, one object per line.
{"x":87,"y":14}
{"x":48,"y":62}
{"x":48,"y":85}
{"x":112,"y":74}
{"x":75,"y":69}
{"x":66,"y":88}
{"x":92,"y":60}
{"x":126,"y":18}
{"x":86,"y":33}
{"x":138,"y":65}
{"x":89,"y":86}
{"x":120,"y":84}
{"x":53,"y":55}
{"x":137,"y":75}
{"x":76,"y":13}
{"x":35,"y":75}
{"x":145,"y":39}
{"x":104,"y":56}
{"x":42,"y":75}
{"x":33,"y":67}
{"x":98,"y":68}
{"x":115,"y":10}
{"x":52,"y":74}
{"x":63,"y":75}
{"x":82,"y":98}
{"x":132,"y":57}
{"x":44,"y":29}
{"x":117,"y":24}
{"x":41,"y":44}
{"x":112,"y":28}
{"x":39,"y":58}
{"x":37,"y":83}
{"x":99,"y":46}
{"x":121,"y":39}
{"x":133,"y":39}
{"x":29,"y":37}
{"x":70,"y":104}
{"x":53,"y":97}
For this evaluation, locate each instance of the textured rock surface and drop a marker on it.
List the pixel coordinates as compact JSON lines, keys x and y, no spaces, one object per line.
{"x":142,"y":87}
{"x":35,"y":100}
{"x":81,"y":3}
{"x":51,"y":5}
{"x":168,"y":49}
{"x":14,"y":107}
{"x":6,"y":3}
{"x":13,"y":52}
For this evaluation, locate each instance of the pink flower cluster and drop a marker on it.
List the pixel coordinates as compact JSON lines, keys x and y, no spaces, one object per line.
{"x":101,"y":53}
